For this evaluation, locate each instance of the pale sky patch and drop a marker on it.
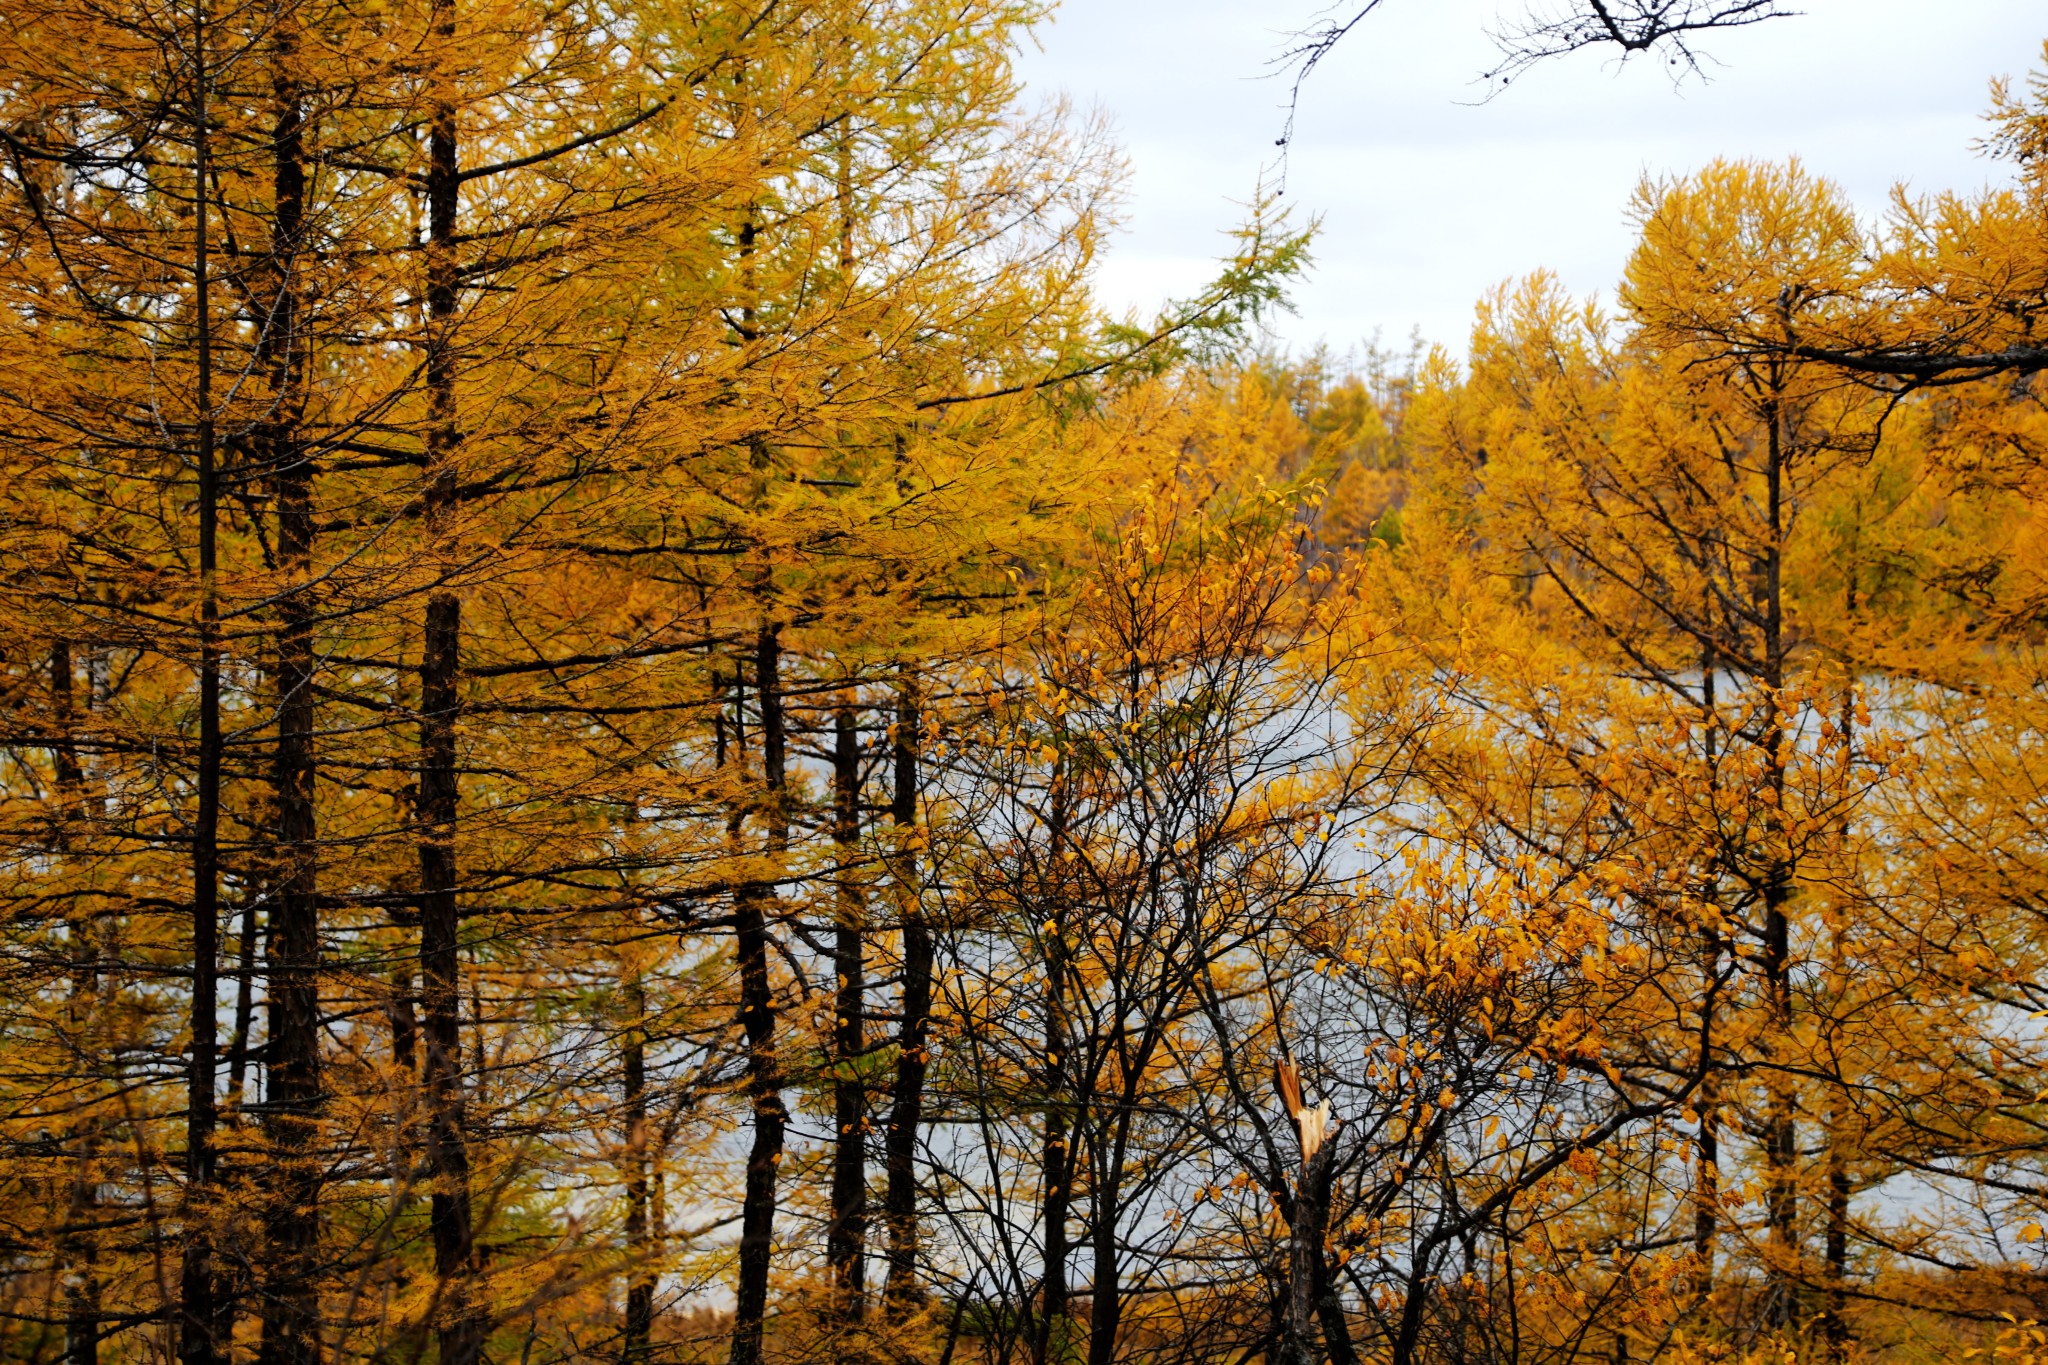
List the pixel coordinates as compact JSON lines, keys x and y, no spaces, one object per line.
{"x":1429,"y":197}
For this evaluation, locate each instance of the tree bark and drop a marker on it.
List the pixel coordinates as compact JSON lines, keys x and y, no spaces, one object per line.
{"x":1706,"y":1198}
{"x":1306,"y":1273}
{"x":1330,"y":1309}
{"x":846,"y":1238}
{"x":1834,"y":1324}
{"x":78,"y":1248}
{"x":198,"y":1309}
{"x":1057,"y":1162}
{"x":906,"y":1110}
{"x":245,"y":1000}
{"x":1105,"y":1287}
{"x":638,"y":1336}
{"x":291,"y":1304}
{"x":460,"y":1323}
{"x":752,"y":904}
{"x":1780,"y":1121}
{"x":1706,"y":1212}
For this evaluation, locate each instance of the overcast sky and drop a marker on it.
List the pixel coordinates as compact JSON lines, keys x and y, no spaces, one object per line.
{"x":1428,"y":198}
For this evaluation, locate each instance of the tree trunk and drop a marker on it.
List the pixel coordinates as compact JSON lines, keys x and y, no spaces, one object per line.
{"x":1306,"y":1275}
{"x":78,"y":1247}
{"x":846,"y":1238}
{"x":1054,"y":1292}
{"x":906,"y":1109}
{"x":1706,"y":1198}
{"x":245,"y":1000}
{"x":1780,"y":1132}
{"x":1834,"y":1325}
{"x":1706,"y":1209}
{"x":198,"y":1306}
{"x":1105,"y":1289}
{"x":404,"y":1021}
{"x":460,"y":1322}
{"x":1058,"y":1160}
{"x":1330,"y":1305}
{"x":638,"y":1336}
{"x":752,"y":905}
{"x":291,"y":1303}
{"x":1780,"y":1121}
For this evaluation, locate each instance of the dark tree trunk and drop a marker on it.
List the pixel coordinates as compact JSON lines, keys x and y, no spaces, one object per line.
{"x":198,"y":1308}
{"x":638,"y":1337}
{"x":846,"y":1237}
{"x":1105,"y":1289}
{"x":291,"y":1304}
{"x":1781,"y":1149}
{"x":460,"y":1319}
{"x":752,"y":905}
{"x":64,"y":754}
{"x":79,"y":1255}
{"x":1330,"y":1306}
{"x":1781,"y":1143}
{"x":245,"y":1001}
{"x":1054,"y":1292}
{"x":405,"y":1027}
{"x":78,"y":1249}
{"x":1706,"y":1209}
{"x":1058,"y":1165}
{"x":906,"y":1108}
{"x":1058,"y":1160}
{"x":1834,"y":1323}
{"x":1706,"y":1198}
{"x":1308,"y":1285}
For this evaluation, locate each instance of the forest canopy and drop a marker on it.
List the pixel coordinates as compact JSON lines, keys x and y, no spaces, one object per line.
{"x":636,"y":731}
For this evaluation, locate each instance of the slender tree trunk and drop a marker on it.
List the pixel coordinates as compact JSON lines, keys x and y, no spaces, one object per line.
{"x":1330,"y":1310}
{"x":906,"y":1109}
{"x":638,"y":1337}
{"x":245,"y":1002}
{"x":846,"y":1238}
{"x":751,"y":908}
{"x":1834,"y":1324}
{"x":1780,"y":1131}
{"x":405,"y":1028}
{"x":291,"y":1305}
{"x":1105,"y":1287}
{"x":1706,"y":1199}
{"x":198,"y":1288}
{"x":64,"y":762}
{"x":78,"y":1255}
{"x":1706,"y":1208}
{"x":1780,"y":1123}
{"x":460,"y":1318}
{"x":1054,"y":1292}
{"x":78,"y":1249}
{"x":1057,"y":1162}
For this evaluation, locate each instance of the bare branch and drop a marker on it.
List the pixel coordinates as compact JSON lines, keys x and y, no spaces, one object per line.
{"x":1552,"y":28}
{"x":1561,"y":27}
